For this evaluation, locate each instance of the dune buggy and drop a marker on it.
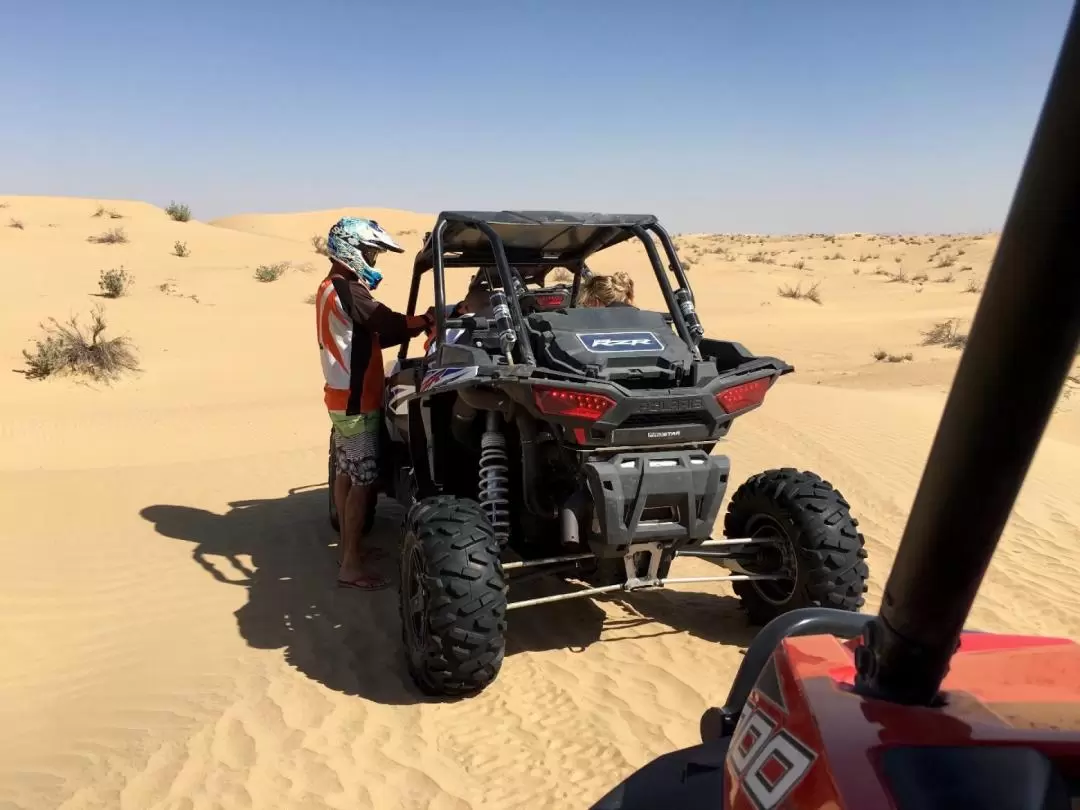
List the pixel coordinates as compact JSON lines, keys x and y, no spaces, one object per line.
{"x":542,"y":437}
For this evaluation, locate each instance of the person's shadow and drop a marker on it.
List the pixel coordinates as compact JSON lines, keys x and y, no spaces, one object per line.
{"x":284,"y":552}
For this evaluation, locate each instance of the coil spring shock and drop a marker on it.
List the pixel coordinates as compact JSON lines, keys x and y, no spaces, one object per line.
{"x":495,"y":479}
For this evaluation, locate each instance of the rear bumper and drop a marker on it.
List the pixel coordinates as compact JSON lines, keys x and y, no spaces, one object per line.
{"x":655,"y":496}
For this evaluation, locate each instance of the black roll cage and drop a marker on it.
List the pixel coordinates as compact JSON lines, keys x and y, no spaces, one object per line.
{"x":439,"y":252}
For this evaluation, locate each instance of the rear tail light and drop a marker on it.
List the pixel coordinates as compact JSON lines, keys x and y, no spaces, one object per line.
{"x":744,"y":395}
{"x":569,"y":403}
{"x":552,"y":301}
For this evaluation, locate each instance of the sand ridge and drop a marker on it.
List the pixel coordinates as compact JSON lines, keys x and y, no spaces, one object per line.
{"x":171,"y":634}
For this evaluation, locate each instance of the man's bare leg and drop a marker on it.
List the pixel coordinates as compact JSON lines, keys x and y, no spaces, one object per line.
{"x":353,"y":569}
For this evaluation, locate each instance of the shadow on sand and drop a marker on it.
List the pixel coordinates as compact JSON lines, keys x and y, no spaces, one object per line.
{"x":285,"y":553}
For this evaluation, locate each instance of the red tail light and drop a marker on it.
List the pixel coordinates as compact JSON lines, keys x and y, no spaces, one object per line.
{"x":745,"y":395}
{"x":569,"y":403}
{"x":551,"y":301}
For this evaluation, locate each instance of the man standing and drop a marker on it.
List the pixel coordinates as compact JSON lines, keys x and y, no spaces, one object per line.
{"x":353,"y":329}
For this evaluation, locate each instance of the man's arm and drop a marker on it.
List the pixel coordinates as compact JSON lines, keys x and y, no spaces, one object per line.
{"x":393,"y":327}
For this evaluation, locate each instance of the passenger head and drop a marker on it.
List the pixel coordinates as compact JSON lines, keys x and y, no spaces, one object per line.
{"x":477,"y":299}
{"x":605,"y":291}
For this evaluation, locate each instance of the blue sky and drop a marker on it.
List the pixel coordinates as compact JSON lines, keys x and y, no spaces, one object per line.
{"x":751,"y":115}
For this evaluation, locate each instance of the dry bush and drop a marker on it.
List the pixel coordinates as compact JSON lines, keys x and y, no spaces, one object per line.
{"x":115,"y":282}
{"x":920,"y":277}
{"x":69,"y":348}
{"x":799,"y":265}
{"x":798,"y":294}
{"x":114,"y":237}
{"x":112,"y":213}
{"x":899,"y":277}
{"x":178,"y":211}
{"x":945,"y":279}
{"x":965,"y":268}
{"x":881,"y":354}
{"x":271,"y":272}
{"x":946,"y":261}
{"x":946,"y":333}
{"x":319,"y":243}
{"x":897,"y":259}
{"x":16,"y":223}
{"x":310,"y":299}
{"x":866,"y":257}
{"x":762,"y":257}
{"x":835,"y":257}
{"x":973,"y":286}
{"x":181,"y":249}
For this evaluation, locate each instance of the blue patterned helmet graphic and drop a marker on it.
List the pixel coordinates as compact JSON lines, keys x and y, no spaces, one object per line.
{"x":350,"y":237}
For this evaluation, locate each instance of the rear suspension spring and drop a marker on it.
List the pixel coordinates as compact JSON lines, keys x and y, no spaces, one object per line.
{"x":495,"y":478}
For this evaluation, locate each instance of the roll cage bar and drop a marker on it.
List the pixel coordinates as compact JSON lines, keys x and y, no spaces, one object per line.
{"x":538,"y":238}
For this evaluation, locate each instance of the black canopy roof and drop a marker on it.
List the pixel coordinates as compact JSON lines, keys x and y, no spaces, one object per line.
{"x":530,"y":237}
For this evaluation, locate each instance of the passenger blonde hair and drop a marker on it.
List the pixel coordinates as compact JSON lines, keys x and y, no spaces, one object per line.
{"x":603,"y":291}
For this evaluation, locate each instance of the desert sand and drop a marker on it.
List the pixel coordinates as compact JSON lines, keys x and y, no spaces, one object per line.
{"x":171,"y":636}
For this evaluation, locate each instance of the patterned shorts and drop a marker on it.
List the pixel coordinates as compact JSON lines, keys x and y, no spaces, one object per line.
{"x":358,"y":457}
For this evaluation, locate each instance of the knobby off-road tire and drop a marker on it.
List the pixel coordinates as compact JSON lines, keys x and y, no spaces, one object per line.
{"x":452,"y":597}
{"x":819,"y":538}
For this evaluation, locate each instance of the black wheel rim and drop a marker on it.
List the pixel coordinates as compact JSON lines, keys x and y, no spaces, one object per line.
{"x":414,"y":595}
{"x":778,"y":558}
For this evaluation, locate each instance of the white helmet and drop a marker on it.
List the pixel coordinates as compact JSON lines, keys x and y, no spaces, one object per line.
{"x":355,"y":242}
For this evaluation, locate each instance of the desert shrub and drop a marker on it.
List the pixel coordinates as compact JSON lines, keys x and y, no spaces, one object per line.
{"x":881,"y":354}
{"x":762,"y":257}
{"x":799,"y":265}
{"x":179,"y":212}
{"x":797,"y":293}
{"x":946,"y":333}
{"x":115,"y":282}
{"x":319,"y":243}
{"x":112,"y":213}
{"x":181,"y":249}
{"x":70,"y":348}
{"x":16,"y":223}
{"x":271,"y":272}
{"x":116,"y":236}
{"x":920,"y":277}
{"x":946,"y":261}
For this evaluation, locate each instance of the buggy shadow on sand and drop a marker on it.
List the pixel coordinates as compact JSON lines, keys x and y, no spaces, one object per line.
{"x":549,"y":438}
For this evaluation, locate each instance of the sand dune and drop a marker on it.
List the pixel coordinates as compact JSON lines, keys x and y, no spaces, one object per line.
{"x":171,"y":636}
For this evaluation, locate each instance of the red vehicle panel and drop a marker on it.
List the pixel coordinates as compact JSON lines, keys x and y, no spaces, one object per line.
{"x":806,"y":741}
